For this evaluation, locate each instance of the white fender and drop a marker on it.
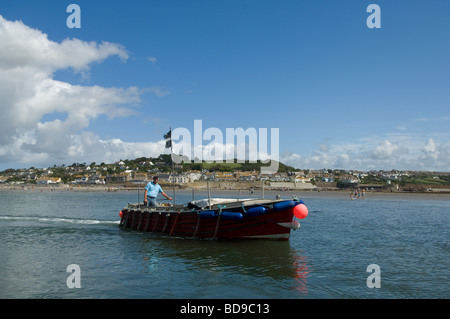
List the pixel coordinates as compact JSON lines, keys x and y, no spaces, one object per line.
{"x":292,"y":225}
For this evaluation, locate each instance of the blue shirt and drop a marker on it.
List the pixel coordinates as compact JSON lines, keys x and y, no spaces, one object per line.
{"x":153,"y":190}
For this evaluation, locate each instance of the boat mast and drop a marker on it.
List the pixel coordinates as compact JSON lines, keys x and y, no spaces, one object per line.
{"x":169,"y":143}
{"x":173,"y":169}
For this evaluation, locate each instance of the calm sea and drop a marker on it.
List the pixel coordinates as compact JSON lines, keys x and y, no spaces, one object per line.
{"x":43,"y":232}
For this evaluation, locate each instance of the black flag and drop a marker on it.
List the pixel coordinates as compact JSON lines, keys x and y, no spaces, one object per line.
{"x":168,"y":138}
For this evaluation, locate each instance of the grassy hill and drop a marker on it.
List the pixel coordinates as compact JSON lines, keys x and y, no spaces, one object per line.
{"x":229,"y":167}
{"x":164,"y":162}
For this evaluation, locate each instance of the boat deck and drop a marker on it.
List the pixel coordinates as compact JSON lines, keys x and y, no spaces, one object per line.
{"x":216,"y":204}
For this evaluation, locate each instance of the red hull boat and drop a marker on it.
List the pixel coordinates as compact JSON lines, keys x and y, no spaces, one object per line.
{"x":219,"y":219}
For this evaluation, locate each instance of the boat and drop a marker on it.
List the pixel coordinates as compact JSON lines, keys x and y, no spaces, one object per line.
{"x":218,"y":218}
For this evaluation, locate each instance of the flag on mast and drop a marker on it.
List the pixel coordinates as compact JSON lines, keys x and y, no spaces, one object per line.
{"x":168,"y":138}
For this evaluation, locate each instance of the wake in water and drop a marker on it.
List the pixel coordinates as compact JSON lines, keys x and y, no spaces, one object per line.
{"x":60,"y":220}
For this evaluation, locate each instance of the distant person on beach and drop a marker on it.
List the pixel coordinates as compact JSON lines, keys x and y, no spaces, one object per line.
{"x":358,"y":193}
{"x":151,"y":192}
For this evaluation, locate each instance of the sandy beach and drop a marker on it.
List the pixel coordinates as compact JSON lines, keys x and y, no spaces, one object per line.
{"x":338,"y":194}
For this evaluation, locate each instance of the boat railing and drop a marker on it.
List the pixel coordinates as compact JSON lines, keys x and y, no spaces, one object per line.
{"x":229,"y":205}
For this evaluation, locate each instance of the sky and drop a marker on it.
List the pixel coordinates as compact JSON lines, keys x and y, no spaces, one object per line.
{"x":342,"y":95}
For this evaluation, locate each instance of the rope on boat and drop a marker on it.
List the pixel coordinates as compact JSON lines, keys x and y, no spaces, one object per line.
{"x":148,"y":221}
{"x":198,"y":226}
{"x":125,"y":223}
{"x":175,"y":224}
{"x":217,"y":227}
{"x":167,"y":223}
{"x":122,"y":218}
{"x":140,"y":220}
{"x":156,"y":224}
{"x":132,"y":220}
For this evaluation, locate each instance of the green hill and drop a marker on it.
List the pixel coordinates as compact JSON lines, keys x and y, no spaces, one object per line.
{"x":164,"y":162}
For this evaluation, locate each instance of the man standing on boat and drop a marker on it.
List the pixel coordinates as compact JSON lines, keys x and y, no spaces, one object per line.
{"x":151,"y":192}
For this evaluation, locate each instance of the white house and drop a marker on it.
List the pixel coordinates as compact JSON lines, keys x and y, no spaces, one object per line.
{"x":48,"y":180}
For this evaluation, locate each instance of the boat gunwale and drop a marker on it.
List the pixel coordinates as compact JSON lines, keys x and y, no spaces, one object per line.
{"x":239,"y":205}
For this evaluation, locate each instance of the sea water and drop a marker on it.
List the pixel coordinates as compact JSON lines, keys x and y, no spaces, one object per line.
{"x":43,"y":232}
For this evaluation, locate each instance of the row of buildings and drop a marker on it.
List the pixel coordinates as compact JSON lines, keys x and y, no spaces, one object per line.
{"x":129,"y":176}
{"x":93,"y":176}
{"x":99,"y":175}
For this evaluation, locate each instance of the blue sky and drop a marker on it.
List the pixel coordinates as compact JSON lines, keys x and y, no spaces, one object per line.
{"x":341,"y":94}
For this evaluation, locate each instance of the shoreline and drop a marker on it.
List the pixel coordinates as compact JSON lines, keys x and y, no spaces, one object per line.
{"x":268,"y":193}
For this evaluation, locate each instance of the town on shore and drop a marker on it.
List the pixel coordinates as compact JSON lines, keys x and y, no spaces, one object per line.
{"x":134,"y":174}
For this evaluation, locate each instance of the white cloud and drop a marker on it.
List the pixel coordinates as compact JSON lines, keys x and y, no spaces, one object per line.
{"x":29,"y":94}
{"x":152,"y":59}
{"x":399,"y":151}
{"x":87,"y":147}
{"x":430,"y":148}
{"x":433,"y":153}
{"x":385,"y":150}
{"x":157,"y":91}
{"x":26,"y":47}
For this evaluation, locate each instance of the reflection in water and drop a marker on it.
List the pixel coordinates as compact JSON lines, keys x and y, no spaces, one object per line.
{"x":266,"y":262}
{"x":300,"y":265}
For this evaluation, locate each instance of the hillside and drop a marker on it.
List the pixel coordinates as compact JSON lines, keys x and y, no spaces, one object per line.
{"x":164,"y":162}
